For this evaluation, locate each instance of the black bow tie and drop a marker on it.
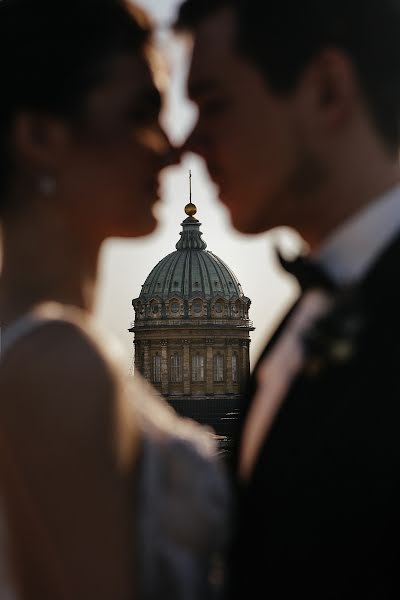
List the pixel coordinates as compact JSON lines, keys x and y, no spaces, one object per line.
{"x":307,"y":272}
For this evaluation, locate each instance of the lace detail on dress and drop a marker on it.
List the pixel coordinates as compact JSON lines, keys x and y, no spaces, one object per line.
{"x":183,"y":513}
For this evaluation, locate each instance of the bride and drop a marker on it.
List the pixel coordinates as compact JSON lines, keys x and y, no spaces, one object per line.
{"x":81,"y":149}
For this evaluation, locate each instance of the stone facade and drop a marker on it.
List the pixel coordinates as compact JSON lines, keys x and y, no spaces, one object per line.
{"x":192,"y":332}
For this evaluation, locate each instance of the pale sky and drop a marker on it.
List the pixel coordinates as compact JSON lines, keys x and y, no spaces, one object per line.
{"x":125,"y":265}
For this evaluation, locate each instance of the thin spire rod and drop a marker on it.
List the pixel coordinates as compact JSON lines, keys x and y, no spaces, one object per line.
{"x":190,"y":209}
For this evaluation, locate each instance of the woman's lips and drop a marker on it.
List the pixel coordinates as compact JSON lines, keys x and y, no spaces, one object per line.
{"x":154,"y":188}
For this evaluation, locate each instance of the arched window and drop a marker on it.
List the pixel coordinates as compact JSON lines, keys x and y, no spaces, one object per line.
{"x":197,"y":308}
{"x":139,"y":309}
{"x":235,"y":367}
{"x":236,"y":309}
{"x":157,"y":369}
{"x":197,"y":367}
{"x":174,"y":308}
{"x":219,"y":308}
{"x":155,"y":308}
{"x":218,"y":367}
{"x":176,"y":368}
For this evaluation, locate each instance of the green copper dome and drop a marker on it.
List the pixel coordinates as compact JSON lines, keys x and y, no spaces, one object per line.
{"x":191,"y":271}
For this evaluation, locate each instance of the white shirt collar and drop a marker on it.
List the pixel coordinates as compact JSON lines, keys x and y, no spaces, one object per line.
{"x":351,"y":249}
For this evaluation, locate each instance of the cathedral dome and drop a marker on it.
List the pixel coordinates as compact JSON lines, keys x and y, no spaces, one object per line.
{"x":192,"y":273}
{"x":191,"y":270}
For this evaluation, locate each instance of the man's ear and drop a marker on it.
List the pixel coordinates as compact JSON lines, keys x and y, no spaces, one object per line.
{"x":39,"y":142}
{"x":332,"y":87}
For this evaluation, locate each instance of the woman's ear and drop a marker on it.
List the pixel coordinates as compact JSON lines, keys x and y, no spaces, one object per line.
{"x":39,"y":142}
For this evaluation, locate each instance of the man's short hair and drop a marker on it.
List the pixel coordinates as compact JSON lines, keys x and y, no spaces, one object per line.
{"x":281,"y":37}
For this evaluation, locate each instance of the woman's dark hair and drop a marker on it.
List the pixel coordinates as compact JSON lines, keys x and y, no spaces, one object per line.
{"x":52,"y":53}
{"x":281,"y":37}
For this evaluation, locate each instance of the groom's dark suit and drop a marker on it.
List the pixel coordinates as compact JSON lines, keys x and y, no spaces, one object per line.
{"x":320,"y":517}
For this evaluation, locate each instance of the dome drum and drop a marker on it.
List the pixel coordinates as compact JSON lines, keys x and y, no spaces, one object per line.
{"x":199,"y":307}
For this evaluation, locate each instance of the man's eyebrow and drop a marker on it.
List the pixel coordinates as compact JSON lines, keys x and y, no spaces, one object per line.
{"x":197,"y":89}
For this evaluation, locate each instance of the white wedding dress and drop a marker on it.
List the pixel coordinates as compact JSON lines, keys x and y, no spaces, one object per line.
{"x":183,"y":497}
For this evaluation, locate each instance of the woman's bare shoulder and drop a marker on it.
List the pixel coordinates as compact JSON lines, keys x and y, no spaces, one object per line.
{"x":57,"y":363}
{"x":58,"y":375}
{"x":59,"y":340}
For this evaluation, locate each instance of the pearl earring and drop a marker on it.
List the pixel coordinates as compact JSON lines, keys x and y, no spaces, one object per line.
{"x":47,"y":185}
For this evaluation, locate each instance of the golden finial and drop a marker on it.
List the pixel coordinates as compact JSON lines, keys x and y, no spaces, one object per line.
{"x":190,"y":209}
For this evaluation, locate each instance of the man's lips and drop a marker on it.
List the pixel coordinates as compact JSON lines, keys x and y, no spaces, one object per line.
{"x":215,"y":172}
{"x":220,"y":182}
{"x":216,"y":175}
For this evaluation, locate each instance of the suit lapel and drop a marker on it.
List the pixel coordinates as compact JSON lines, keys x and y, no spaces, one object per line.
{"x":382,"y":282}
{"x":252,"y":384}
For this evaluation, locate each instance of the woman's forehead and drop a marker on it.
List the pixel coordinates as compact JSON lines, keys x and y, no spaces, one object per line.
{"x":128,"y":82}
{"x":131,"y":75}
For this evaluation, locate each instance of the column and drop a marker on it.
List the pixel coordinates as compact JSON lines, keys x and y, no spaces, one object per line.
{"x":245,"y":364}
{"x":164,"y":367}
{"x":209,"y":367}
{"x":138,"y":351}
{"x":186,"y":368}
{"x":147,"y":366}
{"x":228,"y":368}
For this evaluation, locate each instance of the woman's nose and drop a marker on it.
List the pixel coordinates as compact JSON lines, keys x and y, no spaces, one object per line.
{"x":157,"y":142}
{"x":171,"y":154}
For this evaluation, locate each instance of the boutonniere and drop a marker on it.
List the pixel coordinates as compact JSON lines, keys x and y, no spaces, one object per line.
{"x":334,"y":340}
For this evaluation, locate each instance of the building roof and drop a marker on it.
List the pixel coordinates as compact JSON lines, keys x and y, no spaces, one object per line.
{"x":191,"y":270}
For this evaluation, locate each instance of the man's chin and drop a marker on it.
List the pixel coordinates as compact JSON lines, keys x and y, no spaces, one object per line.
{"x":146,"y":229}
{"x":253,"y":214}
{"x":248,"y":223}
{"x":243,"y":219}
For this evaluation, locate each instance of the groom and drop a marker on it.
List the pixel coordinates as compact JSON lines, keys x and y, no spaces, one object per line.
{"x":299,"y":125}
